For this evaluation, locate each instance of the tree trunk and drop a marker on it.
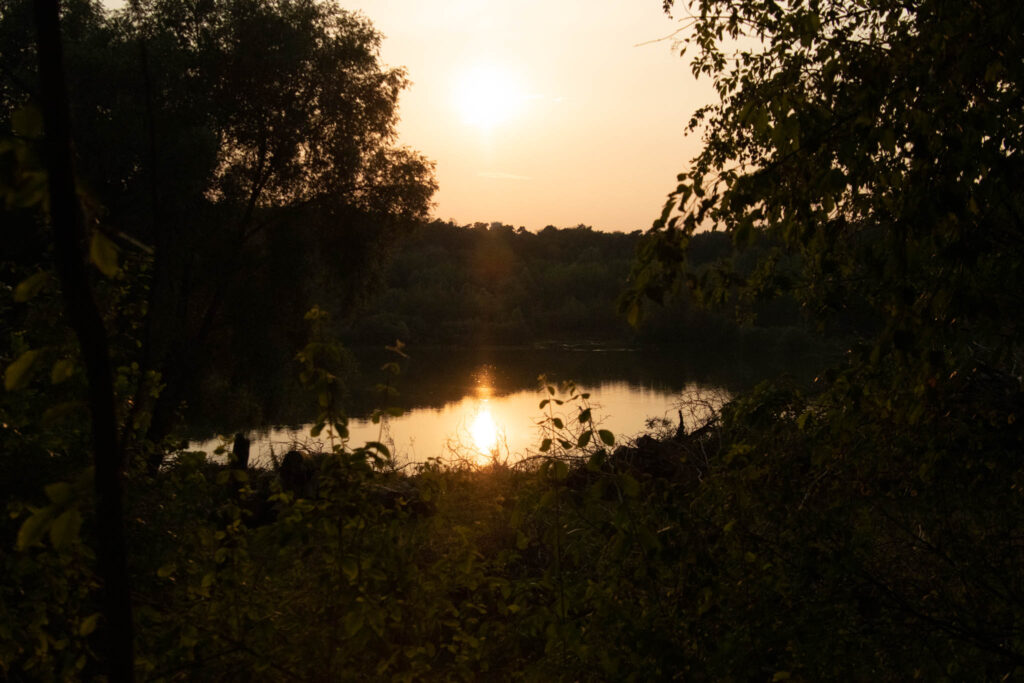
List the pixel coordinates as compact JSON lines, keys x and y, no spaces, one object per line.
{"x":81,"y":311}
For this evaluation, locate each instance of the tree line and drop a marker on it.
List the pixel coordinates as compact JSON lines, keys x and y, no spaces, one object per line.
{"x":496,"y":284}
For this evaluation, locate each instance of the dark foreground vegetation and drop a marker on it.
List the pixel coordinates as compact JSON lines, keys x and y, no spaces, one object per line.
{"x":864,"y":163}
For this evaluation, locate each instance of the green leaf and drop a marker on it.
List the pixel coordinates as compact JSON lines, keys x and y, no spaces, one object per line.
{"x":350,"y":567}
{"x":606,"y":436}
{"x":633,"y":314}
{"x":557,"y":422}
{"x":59,"y":493}
{"x":584,"y":415}
{"x":32,"y":529}
{"x":583,"y":440}
{"x":630,"y":486}
{"x":62,"y":411}
{"x":30,"y":286}
{"x":545,"y":445}
{"x":189,"y":636}
{"x":103,"y":254}
{"x":618,"y":546}
{"x":62,"y":370}
{"x":65,"y":528}
{"x":379,"y":447}
{"x":19,"y":372}
{"x":88,"y":624}
{"x":32,"y":190}
{"x":354,"y":621}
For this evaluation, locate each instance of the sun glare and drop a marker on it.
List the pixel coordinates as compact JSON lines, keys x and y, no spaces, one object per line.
{"x":487,"y":96}
{"x":484,"y":431}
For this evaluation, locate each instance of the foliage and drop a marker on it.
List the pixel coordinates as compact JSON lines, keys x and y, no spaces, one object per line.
{"x":181,"y":187}
{"x":872,"y":150}
{"x":862,"y":158}
{"x":48,"y":606}
{"x":760,"y":546}
{"x":238,"y":156}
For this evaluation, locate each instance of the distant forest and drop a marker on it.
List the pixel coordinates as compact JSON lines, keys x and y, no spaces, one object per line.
{"x":500,"y":285}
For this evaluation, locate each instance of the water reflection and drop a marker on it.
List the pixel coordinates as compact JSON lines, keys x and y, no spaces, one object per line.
{"x":483,"y":378}
{"x":638,"y":384}
{"x":486,"y":425}
{"x":484,"y":431}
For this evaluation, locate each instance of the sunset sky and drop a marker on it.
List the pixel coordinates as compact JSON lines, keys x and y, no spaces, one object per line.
{"x":543,"y":112}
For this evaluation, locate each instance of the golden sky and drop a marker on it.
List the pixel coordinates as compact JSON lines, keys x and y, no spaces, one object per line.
{"x":543,"y":112}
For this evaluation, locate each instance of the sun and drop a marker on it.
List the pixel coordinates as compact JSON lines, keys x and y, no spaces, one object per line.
{"x":486,"y":96}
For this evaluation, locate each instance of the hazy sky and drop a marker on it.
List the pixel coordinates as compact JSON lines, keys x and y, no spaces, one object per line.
{"x":543,"y":112}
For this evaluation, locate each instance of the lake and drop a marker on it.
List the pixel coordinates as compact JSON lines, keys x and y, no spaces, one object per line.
{"x":476,"y":404}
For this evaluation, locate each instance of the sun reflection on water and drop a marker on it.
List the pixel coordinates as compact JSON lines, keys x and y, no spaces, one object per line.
{"x":484,"y":431}
{"x":497,"y":421}
{"x":483,"y":382}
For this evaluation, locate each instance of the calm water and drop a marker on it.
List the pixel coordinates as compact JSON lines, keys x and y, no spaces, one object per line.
{"x":482,"y":403}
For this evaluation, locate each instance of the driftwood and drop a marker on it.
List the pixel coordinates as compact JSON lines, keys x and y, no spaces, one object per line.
{"x":681,"y":458}
{"x":298,"y":474}
{"x":241,"y":451}
{"x":699,"y":433}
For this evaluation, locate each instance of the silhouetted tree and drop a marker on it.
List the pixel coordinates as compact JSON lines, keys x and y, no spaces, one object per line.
{"x":243,"y":155}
